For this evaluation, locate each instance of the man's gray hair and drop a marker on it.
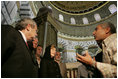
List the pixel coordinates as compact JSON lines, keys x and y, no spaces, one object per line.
{"x":21,"y":24}
{"x":110,"y":25}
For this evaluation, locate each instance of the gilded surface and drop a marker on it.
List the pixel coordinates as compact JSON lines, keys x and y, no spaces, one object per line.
{"x":75,"y":5}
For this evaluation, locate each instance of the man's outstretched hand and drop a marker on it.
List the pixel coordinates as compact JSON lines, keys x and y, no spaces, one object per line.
{"x":87,"y":59}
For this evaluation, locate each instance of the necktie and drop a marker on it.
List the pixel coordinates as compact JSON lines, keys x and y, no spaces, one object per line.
{"x":27,"y":44}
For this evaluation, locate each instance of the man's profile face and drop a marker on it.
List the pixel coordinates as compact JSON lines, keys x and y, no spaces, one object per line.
{"x":58,"y":56}
{"x":35,"y":42}
{"x":99,"y":33}
{"x":32,"y":32}
{"x":39,"y":50}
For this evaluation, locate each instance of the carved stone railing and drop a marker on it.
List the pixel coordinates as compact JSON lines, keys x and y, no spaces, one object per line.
{"x":72,"y":69}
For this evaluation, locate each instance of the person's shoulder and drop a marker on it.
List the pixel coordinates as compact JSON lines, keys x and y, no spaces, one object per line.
{"x":8,"y":30}
{"x":44,"y":60}
{"x":7,"y":27}
{"x":111,"y":42}
{"x":110,"y":38}
{"x":114,"y":36}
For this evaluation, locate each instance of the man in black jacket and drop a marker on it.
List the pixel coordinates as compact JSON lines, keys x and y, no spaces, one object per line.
{"x":16,"y":58}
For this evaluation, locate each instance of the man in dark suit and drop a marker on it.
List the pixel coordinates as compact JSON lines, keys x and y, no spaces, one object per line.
{"x":16,"y":58}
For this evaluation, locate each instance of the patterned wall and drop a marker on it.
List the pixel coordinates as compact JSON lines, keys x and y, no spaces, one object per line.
{"x":25,"y":9}
{"x":8,"y":12}
{"x":70,"y":46}
{"x":12,"y":11}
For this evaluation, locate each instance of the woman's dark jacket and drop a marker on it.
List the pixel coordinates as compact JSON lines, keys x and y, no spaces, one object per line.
{"x":48,"y":67}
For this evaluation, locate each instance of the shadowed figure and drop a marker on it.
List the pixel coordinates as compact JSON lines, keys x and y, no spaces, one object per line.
{"x":48,"y":67}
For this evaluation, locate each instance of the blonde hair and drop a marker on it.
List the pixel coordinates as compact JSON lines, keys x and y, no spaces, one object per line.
{"x":53,"y":46}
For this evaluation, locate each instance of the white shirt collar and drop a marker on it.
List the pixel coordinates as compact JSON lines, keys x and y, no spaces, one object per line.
{"x":23,"y":36}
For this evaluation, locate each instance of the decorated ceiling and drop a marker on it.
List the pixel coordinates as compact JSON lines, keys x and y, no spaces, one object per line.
{"x":76,"y":6}
{"x":78,"y":19}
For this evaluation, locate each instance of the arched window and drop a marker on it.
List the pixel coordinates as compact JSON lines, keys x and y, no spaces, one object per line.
{"x":72,"y":21}
{"x":85,"y":20}
{"x":61,"y":17}
{"x":112,"y":8}
{"x":97,"y":17}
